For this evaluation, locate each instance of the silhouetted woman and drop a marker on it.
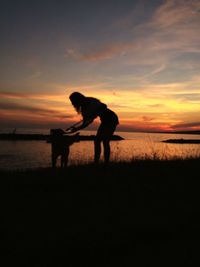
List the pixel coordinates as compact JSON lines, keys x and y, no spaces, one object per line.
{"x":90,"y":108}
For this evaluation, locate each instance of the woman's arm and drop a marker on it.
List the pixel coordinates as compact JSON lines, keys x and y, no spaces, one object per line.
{"x":82,"y":126}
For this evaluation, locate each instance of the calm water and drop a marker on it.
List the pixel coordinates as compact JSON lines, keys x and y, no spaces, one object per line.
{"x":34,"y":154}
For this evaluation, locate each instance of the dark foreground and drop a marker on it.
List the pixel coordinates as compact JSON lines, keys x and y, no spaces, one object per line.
{"x":130,"y":214}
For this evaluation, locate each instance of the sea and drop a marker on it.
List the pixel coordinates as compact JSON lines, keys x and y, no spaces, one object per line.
{"x":22,"y":155}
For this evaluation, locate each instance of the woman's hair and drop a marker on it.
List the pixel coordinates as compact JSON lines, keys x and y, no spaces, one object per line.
{"x":78,"y":101}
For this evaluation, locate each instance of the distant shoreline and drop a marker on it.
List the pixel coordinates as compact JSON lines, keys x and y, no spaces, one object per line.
{"x":183,"y":132}
{"x":182,"y":141}
{"x":45,"y":137}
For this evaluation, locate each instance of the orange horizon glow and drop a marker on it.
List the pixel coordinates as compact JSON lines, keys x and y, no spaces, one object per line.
{"x":137,"y":113}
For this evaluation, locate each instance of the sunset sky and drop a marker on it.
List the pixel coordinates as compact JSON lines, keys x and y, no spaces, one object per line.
{"x":140,"y":57}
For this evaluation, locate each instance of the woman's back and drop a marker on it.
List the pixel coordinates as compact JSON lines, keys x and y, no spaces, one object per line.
{"x":92,"y":108}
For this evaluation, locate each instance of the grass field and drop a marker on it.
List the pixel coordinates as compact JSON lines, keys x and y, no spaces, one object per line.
{"x":141,"y":213}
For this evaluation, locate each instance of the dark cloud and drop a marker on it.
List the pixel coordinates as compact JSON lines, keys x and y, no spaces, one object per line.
{"x":188,"y":97}
{"x":14,"y":106}
{"x":147,"y":118}
{"x":4,"y":94}
{"x":25,"y":123}
{"x":35,"y":110}
{"x":186,"y":125}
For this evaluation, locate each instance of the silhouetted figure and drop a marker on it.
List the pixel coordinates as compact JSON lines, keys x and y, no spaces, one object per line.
{"x":90,"y":108}
{"x":60,"y":144}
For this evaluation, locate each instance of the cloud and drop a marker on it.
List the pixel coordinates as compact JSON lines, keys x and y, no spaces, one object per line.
{"x":32,"y":122}
{"x":170,"y":31}
{"x":176,"y":12}
{"x":175,"y":27}
{"x":188,"y":97}
{"x":106,"y":52}
{"x":156,"y":105}
{"x":188,"y":125}
{"x":9,"y":106}
{"x":53,"y":97}
{"x":147,"y":118}
{"x":5,"y":94}
{"x":143,"y":126}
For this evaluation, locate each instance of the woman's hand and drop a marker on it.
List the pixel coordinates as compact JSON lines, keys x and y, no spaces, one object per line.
{"x":73,"y":129}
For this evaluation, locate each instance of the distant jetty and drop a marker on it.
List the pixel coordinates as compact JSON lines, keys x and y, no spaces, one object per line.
{"x":45,"y":137}
{"x":182,"y":141}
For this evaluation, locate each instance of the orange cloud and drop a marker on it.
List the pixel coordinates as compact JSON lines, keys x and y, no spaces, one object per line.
{"x":104,"y":53}
{"x":189,"y":126}
{"x":23,"y":110}
{"x":140,"y":126}
{"x":4,"y":94}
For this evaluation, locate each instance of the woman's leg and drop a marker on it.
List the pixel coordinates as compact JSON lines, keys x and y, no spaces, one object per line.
{"x":97,"y":150}
{"x":107,"y":134}
{"x":104,"y":134}
{"x":97,"y":143}
{"x":106,"y":145}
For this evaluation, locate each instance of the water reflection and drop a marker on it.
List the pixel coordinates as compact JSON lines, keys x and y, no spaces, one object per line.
{"x":34,"y":154}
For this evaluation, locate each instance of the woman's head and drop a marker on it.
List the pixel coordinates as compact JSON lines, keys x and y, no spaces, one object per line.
{"x":77,"y":100}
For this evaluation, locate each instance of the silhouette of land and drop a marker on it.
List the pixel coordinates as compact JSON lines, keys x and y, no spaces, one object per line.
{"x":15,"y":136}
{"x":126,"y":214}
{"x":196,"y":132}
{"x":182,"y":141}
